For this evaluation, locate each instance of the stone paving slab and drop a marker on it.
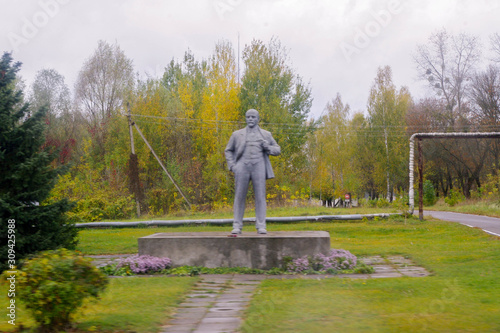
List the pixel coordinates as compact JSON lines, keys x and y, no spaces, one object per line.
{"x":223,"y":312}
{"x":217,"y":328}
{"x":228,"y":314}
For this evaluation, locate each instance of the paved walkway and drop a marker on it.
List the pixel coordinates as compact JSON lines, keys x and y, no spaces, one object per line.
{"x":215,"y":305}
{"x":217,"y":302}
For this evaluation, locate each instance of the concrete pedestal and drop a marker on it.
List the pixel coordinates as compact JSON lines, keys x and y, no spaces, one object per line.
{"x":216,"y":249}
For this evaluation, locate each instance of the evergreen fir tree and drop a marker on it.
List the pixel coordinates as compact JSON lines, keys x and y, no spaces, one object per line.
{"x":27,"y":177}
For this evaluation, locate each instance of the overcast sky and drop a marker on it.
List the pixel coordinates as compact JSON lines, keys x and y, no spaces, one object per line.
{"x":337,"y":46}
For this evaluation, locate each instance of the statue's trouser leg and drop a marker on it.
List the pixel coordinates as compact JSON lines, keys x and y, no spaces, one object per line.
{"x":241,"y":179}
{"x":258,"y":176}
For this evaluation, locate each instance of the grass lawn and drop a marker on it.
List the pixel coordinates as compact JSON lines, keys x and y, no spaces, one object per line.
{"x":132,"y":304}
{"x":124,"y":240}
{"x":461,"y":295}
{"x":478,"y":207}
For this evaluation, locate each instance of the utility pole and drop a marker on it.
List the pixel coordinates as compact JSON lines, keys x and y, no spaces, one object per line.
{"x":132,"y":147}
{"x":135,"y":184}
{"x":161,"y":164}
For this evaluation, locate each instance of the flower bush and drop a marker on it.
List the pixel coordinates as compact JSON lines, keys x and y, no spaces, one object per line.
{"x":336,"y":260}
{"x":299,"y":265}
{"x":144,"y":264}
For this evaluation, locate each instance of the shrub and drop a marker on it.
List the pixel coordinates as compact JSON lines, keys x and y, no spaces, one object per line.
{"x":489,"y":188}
{"x":54,"y":284}
{"x":382,"y":203}
{"x":101,"y":207}
{"x":454,"y":197}
{"x":162,"y":201}
{"x":403,"y":205}
{"x":429,"y":194}
{"x":363,"y":268}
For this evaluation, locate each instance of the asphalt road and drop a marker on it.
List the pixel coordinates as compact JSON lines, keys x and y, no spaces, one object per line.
{"x":490,"y":225}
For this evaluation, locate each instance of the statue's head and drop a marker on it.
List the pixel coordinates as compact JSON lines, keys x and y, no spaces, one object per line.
{"x":252,"y":118}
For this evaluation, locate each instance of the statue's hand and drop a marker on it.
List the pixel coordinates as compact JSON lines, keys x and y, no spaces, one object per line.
{"x":265,"y":145}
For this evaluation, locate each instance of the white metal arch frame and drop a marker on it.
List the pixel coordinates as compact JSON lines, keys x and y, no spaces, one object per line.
{"x":420,"y":136}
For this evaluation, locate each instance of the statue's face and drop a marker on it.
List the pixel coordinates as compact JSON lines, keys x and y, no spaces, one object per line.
{"x":252,"y":119}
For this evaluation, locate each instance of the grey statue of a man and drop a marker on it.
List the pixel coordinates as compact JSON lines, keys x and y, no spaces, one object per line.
{"x":247,"y":156}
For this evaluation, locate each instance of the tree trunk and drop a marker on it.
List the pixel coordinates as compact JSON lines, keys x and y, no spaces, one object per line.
{"x":387,"y":172}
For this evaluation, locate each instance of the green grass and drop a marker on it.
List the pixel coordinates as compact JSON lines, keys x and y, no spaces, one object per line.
{"x":129,"y":304}
{"x":462,"y":294}
{"x":124,"y":240}
{"x":478,"y":207}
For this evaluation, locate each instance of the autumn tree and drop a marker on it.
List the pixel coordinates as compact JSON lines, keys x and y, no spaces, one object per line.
{"x":220,"y":112}
{"x":447,"y":63}
{"x":101,"y":89}
{"x":271,"y":86}
{"x":387,"y":110}
{"x":185,"y":83}
{"x":50,"y":90}
{"x":495,"y":46}
{"x":430,"y":115}
{"x":63,"y":124}
{"x":362,"y":159}
{"x":335,"y":141}
{"x":98,"y":181}
{"x":485,"y":93}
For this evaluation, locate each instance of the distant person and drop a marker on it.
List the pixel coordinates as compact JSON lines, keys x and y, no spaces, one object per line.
{"x":247,"y":155}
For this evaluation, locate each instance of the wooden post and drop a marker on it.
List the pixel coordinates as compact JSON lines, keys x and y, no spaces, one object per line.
{"x":161,"y":164}
{"x":132,"y":147}
{"x":420,"y":181}
{"x":134,"y":167}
